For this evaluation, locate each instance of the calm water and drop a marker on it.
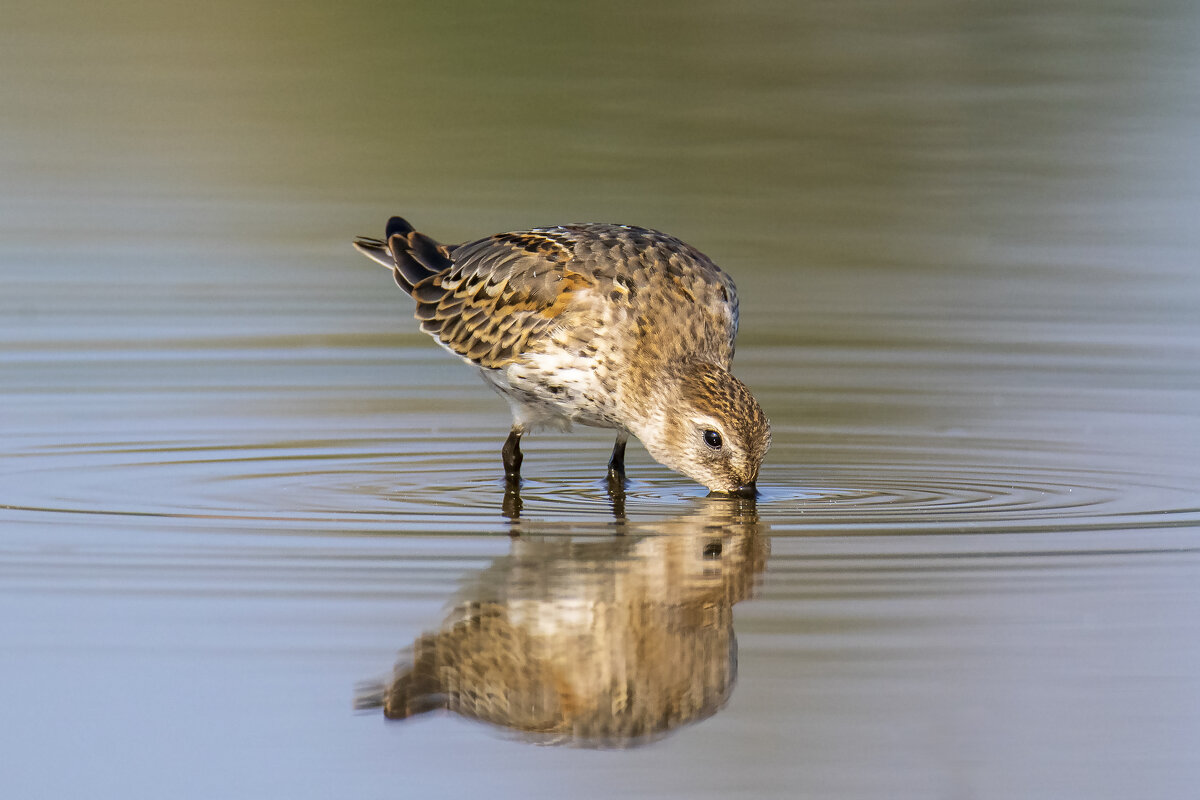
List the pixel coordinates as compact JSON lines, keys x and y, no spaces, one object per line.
{"x":247,"y":512}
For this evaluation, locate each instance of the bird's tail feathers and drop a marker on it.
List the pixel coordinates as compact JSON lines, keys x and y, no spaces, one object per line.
{"x":413,"y":257}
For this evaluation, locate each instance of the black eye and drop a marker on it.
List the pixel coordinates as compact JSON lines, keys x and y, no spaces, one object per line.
{"x":712,"y":439}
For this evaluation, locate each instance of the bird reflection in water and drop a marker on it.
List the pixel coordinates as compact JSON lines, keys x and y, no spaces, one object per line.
{"x":600,"y":642}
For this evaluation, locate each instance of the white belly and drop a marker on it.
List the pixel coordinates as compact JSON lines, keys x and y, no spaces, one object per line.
{"x":556,"y":390}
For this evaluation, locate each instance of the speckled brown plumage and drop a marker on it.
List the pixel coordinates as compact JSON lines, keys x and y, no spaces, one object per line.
{"x":593,"y":323}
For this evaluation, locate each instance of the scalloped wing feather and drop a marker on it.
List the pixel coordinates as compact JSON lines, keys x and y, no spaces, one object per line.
{"x":494,"y":299}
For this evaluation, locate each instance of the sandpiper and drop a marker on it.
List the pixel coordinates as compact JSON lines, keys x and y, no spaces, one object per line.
{"x":611,"y":326}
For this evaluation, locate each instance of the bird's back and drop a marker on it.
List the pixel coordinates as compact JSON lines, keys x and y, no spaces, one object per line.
{"x":595,"y":288}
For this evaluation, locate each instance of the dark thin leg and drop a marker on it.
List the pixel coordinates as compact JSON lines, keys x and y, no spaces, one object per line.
{"x":616,"y":479}
{"x":616,"y":464}
{"x":512,"y":455}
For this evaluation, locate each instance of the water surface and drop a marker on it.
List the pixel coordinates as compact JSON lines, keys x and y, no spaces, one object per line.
{"x":240,"y":494}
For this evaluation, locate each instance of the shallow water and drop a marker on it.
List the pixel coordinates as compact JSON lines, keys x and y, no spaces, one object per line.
{"x":240,"y":494}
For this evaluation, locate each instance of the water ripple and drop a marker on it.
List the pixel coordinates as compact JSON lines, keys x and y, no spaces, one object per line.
{"x":414,"y":484}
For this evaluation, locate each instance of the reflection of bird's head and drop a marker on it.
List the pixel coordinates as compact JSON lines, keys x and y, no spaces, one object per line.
{"x":711,"y":556}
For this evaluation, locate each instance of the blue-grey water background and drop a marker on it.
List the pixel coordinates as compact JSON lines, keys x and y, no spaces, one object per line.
{"x":235,"y":481}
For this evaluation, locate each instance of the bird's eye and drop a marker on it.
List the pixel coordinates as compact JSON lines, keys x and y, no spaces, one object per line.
{"x":712,"y":439}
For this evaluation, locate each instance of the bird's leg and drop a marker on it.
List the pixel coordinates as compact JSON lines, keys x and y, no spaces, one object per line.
{"x":512,"y":455}
{"x":616,"y":464}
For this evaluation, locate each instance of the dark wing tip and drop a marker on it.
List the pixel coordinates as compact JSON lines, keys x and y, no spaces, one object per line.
{"x":398,"y":225}
{"x":432,"y":255}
